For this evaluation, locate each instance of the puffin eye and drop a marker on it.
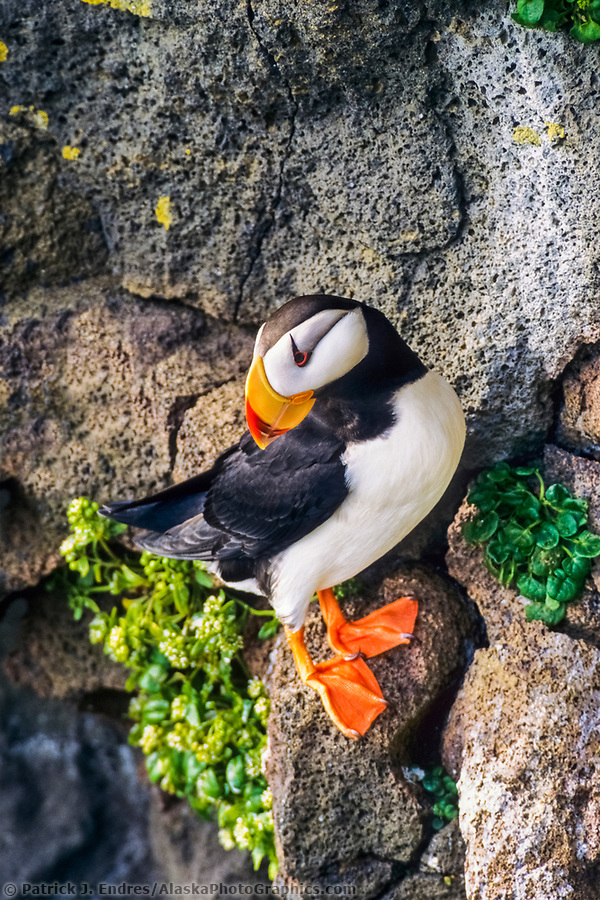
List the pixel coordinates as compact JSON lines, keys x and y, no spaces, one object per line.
{"x":300,"y":356}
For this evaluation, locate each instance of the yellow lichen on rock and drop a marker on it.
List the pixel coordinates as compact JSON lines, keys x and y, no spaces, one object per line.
{"x":3,"y":52}
{"x":163,"y":212}
{"x":137,"y":7}
{"x":70,"y":152}
{"x":38,"y":116}
{"x":556,"y":132}
{"x":523,"y":134}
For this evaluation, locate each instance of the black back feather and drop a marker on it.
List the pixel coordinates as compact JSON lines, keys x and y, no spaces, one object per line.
{"x":250,"y":506}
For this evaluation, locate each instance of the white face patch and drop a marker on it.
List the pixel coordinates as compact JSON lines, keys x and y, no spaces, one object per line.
{"x":260,"y":331}
{"x":343,"y":345}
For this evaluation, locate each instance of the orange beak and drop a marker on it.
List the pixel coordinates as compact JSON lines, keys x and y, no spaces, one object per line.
{"x":269,"y":415}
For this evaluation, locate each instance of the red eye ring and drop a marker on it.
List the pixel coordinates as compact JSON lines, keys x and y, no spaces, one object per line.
{"x":300,"y":356}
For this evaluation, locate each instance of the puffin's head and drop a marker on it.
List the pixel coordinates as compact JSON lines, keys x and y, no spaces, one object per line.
{"x":307,"y":344}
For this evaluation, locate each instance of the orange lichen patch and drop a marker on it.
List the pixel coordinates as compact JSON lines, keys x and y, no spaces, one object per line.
{"x":37,"y":116}
{"x":70,"y":152}
{"x":3,"y":51}
{"x":137,"y":7}
{"x":163,"y":212}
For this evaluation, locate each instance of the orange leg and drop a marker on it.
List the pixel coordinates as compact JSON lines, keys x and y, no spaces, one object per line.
{"x":348,"y":689}
{"x":374,"y":634}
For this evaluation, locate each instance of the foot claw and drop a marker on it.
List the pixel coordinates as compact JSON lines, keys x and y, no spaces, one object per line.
{"x":381,"y":630}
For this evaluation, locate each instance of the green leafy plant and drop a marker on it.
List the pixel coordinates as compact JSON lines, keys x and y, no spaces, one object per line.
{"x":533,"y":536}
{"x":199,"y":716}
{"x":348,"y":589}
{"x":444,"y":796}
{"x":580,"y":17}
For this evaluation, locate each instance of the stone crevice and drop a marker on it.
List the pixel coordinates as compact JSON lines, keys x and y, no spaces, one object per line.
{"x":177,"y":413}
{"x":175,"y":420}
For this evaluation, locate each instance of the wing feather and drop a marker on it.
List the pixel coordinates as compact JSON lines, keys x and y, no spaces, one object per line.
{"x":251,"y":505}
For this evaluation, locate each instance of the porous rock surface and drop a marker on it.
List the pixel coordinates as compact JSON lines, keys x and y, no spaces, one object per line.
{"x":95,"y":384}
{"x":73,"y":805}
{"x":523,"y":732}
{"x":75,"y":798}
{"x":344,"y":812}
{"x":362,"y":148}
{"x":357,"y":148}
{"x":579,"y":421}
{"x":54,"y":658}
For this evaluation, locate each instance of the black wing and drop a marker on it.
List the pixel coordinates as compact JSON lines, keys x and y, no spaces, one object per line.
{"x":251,"y":505}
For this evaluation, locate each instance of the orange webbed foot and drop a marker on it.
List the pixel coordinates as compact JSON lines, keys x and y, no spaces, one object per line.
{"x":381,"y":630}
{"x":348,"y":689}
{"x":350,"y":694}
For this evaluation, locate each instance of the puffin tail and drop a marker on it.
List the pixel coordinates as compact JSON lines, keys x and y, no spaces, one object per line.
{"x":164,"y":510}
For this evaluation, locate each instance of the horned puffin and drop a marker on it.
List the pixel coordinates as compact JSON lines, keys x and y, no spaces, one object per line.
{"x":351,"y":441}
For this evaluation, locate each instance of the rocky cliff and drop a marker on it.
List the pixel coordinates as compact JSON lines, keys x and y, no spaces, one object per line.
{"x":170,"y":172}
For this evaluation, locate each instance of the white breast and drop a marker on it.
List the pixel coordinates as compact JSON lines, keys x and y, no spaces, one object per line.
{"x":393,"y":480}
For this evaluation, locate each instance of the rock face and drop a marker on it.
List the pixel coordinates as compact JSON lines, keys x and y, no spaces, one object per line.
{"x":523,"y":733}
{"x":344,"y":813}
{"x":167,"y":178}
{"x":72,"y":803}
{"x":95,"y":385}
{"x":76,"y":802}
{"x":356,"y":148}
{"x":54,"y":658}
{"x":529,"y":799}
{"x":579,"y":422}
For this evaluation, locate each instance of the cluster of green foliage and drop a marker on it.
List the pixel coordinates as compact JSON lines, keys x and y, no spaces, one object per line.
{"x":199,"y":716}
{"x":348,"y":589}
{"x":534,"y":536}
{"x":580,"y":17}
{"x":445,"y":796}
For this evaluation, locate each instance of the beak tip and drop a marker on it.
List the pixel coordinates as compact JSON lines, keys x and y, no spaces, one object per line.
{"x":261,"y":438}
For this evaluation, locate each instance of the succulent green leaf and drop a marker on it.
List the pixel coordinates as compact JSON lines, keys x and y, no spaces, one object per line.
{"x":566,"y":525}
{"x":568,"y":590}
{"x":586,"y":32}
{"x":192,"y":715}
{"x":208,"y":784}
{"x":545,"y":561}
{"x":203,"y":578}
{"x":525,"y":471}
{"x":152,"y":678}
{"x":547,"y":536}
{"x":578,"y":567}
{"x":497,"y":552}
{"x":156,"y":710}
{"x":484,"y":500}
{"x":531,"y":588}
{"x":235,"y":774}
{"x":552,"y":617}
{"x":530,"y":11}
{"x":481,"y":528}
{"x":519,"y":537}
{"x":557,"y":494}
{"x":431,"y":783}
{"x":587,"y":544}
{"x":269,"y":629}
{"x":193,"y":767}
